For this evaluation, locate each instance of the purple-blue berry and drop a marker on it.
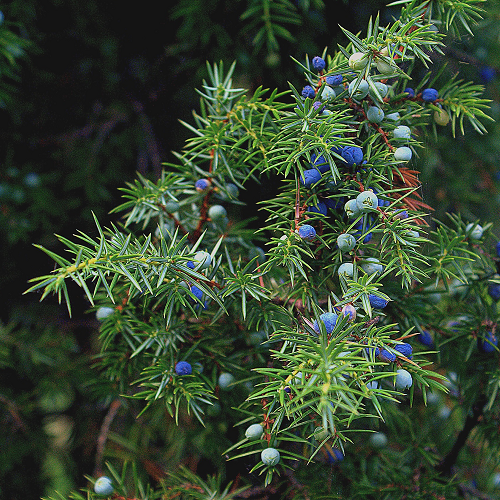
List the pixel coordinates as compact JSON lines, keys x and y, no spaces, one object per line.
{"x":425,"y":338}
{"x":334,"y":80}
{"x":318,"y":63}
{"x":196,"y":292}
{"x":488,"y":343}
{"x":335,"y":456}
{"x":497,"y":248}
{"x":307,"y":232}
{"x":386,"y":355}
{"x":320,"y":208}
{"x":494,"y":291}
{"x":329,"y":320}
{"x":353,"y":155}
{"x":308,"y":91}
{"x":183,"y":368}
{"x":410,"y":92}
{"x":350,"y":311}
{"x":487,"y":74}
{"x":310,"y":177}
{"x":405,"y":349}
{"x":319,"y":163}
{"x":202,"y":185}
{"x":376,"y":301}
{"x":429,"y":95}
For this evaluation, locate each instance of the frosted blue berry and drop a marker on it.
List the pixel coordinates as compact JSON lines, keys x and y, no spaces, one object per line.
{"x":183,"y":368}
{"x":270,"y":456}
{"x":308,"y":91}
{"x":403,"y":154}
{"x":350,"y":311}
{"x":334,"y":79}
{"x":352,"y":209}
{"x":374,"y":114}
{"x":402,"y":132}
{"x":329,"y":320}
{"x":346,"y":242}
{"x":372,"y":265}
{"x":104,"y":312}
{"x":353,"y":155}
{"x":310,"y":177}
{"x":307,"y":232}
{"x":226,"y":380}
{"x":404,"y":379}
{"x":376,"y":301}
{"x":429,"y":95}
{"x":254,"y":431}
{"x":217,"y":212}
{"x":103,"y":486}
{"x":318,"y":63}
{"x":405,"y":349}
{"x":475,"y":231}
{"x":410,"y":92}
{"x":346,"y":269}
{"x":361,"y":91}
{"x":367,"y":200}
{"x":202,"y":185}
{"x":488,"y":343}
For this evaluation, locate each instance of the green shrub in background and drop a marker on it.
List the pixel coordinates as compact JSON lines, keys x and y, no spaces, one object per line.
{"x":258,"y":352}
{"x":348,"y":347}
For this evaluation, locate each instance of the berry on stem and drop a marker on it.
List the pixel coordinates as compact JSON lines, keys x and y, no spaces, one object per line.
{"x":183,"y":368}
{"x":318,"y":63}
{"x":429,"y":95}
{"x":103,"y":486}
{"x":270,"y":456}
{"x":307,"y":232}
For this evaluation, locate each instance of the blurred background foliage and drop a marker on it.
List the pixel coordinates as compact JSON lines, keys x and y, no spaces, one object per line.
{"x":91,"y":93}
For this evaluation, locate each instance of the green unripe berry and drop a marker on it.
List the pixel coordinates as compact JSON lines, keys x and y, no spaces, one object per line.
{"x":171,"y":206}
{"x":270,"y":456}
{"x":352,"y":209}
{"x":358,"y":61}
{"x":217,"y":212}
{"x":382,"y":90}
{"x":328,"y":94}
{"x":402,"y":132}
{"x":203,"y":258}
{"x":475,"y":231}
{"x":361,"y":91}
{"x":104,"y":312}
{"x":226,"y":380}
{"x":346,"y":269}
{"x":346,"y":242}
{"x":441,"y":117}
{"x":372,"y":265}
{"x":378,"y":440}
{"x":103,"y":486}
{"x":403,"y":154}
{"x":375,"y":114}
{"x":404,"y":379}
{"x":367,"y":200}
{"x":254,"y":432}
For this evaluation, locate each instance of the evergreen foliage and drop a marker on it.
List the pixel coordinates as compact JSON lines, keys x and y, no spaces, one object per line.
{"x":284,"y":327}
